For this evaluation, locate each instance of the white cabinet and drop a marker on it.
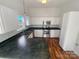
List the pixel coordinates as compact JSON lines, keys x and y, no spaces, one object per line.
{"x":54,"y":33}
{"x":38,"y":33}
{"x":76,"y":48}
{"x":8,"y":20}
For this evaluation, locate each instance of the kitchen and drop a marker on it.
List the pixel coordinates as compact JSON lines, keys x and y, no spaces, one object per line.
{"x":32,"y":18}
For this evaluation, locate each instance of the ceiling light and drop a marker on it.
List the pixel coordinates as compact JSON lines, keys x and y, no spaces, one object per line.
{"x":43,"y":1}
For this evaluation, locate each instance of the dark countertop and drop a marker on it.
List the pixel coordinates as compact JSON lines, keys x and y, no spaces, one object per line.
{"x":40,"y":27}
{"x":29,"y":29}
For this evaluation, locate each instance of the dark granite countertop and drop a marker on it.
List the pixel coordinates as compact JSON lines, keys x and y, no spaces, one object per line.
{"x":29,"y":29}
{"x":40,"y":27}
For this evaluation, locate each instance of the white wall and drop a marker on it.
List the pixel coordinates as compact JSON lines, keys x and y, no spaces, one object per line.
{"x":38,"y":20}
{"x":71,"y":6}
{"x":37,"y":15}
{"x":14,"y":4}
{"x":44,"y":11}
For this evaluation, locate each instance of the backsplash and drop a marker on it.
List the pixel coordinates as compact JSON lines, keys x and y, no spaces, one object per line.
{"x":39,"y":20}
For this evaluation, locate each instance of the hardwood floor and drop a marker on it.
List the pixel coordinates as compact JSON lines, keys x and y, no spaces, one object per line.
{"x":56,"y":52}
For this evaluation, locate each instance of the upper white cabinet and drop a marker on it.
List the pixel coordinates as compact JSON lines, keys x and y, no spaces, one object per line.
{"x":8,"y":20}
{"x":16,"y":5}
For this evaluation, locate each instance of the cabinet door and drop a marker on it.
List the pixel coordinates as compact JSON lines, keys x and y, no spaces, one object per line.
{"x":54,"y":33}
{"x":9,"y":19}
{"x":76,"y":50}
{"x":38,"y":33}
{"x":0,"y":25}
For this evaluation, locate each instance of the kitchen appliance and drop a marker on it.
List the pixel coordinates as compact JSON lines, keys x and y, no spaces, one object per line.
{"x":46,"y":31}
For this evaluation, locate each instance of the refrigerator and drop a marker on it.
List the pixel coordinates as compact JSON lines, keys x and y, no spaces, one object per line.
{"x":69,"y":30}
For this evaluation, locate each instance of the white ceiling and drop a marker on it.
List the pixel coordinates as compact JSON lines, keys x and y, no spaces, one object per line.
{"x":50,"y":4}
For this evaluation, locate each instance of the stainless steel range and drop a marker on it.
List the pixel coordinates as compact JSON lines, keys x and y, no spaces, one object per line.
{"x":46,"y":32}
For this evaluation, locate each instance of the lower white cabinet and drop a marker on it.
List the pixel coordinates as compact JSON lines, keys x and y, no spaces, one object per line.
{"x":38,"y":33}
{"x":76,"y":50}
{"x":53,"y":33}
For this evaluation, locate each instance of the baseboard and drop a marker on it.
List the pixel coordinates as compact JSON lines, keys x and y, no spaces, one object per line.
{"x":54,"y":37}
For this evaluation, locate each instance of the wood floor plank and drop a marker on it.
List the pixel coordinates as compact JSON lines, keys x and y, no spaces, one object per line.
{"x":56,"y":52}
